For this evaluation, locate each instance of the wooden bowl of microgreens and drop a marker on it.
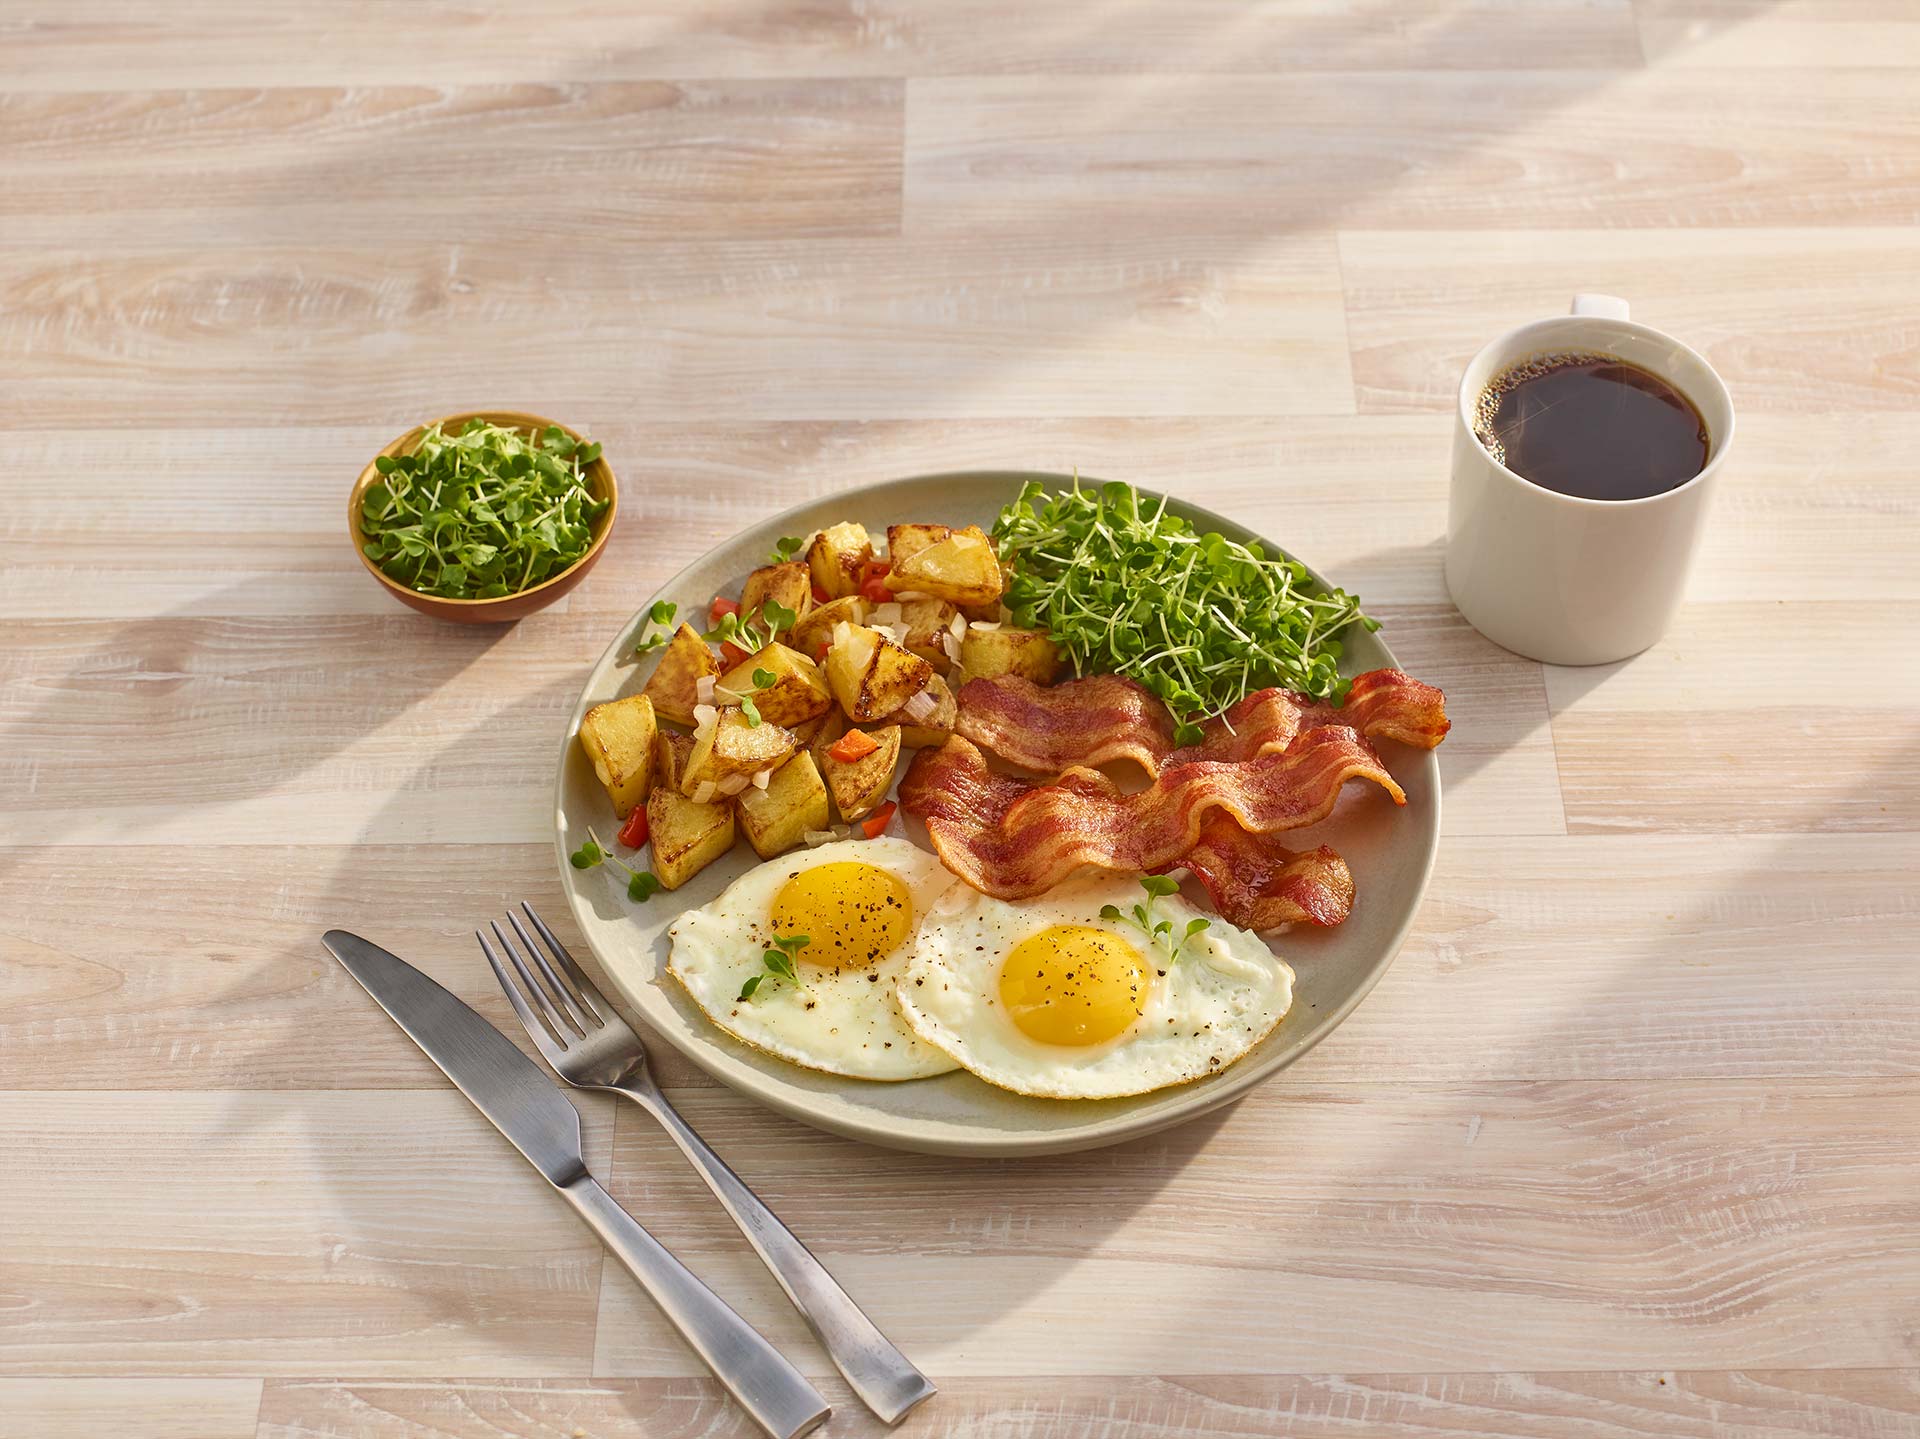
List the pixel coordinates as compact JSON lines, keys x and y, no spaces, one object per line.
{"x":483,"y":517}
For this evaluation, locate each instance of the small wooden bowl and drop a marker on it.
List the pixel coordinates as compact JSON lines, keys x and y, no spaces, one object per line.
{"x":502,"y":609}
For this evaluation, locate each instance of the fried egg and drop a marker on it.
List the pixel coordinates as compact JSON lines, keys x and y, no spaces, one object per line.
{"x":1049,"y":998}
{"x":859,"y":903}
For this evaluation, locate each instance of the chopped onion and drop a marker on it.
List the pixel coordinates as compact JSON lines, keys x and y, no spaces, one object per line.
{"x":920,"y":707}
{"x":816,"y":837}
{"x":957,"y":626}
{"x":841,"y":633}
{"x":703,"y":792}
{"x":703,"y":688}
{"x":705,"y":717}
{"x":760,"y":779}
{"x":985,"y":625}
{"x":898,"y":634}
{"x":911,"y":595}
{"x":951,"y":646}
{"x":733,"y":784}
{"x":887,"y":614}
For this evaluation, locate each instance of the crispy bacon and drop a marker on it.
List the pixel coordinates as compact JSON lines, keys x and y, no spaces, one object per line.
{"x":1103,"y":718}
{"x":1013,"y":838}
{"x":1258,"y":884}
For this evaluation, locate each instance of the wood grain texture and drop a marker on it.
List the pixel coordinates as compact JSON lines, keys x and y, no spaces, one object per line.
{"x":1754,"y":1404}
{"x":232,"y":1233}
{"x":498,"y":165}
{"x":1620,"y":1148}
{"x":1467,"y":151}
{"x":221,"y":43}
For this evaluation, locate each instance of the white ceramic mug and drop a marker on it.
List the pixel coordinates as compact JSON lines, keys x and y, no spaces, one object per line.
{"x":1555,"y":577}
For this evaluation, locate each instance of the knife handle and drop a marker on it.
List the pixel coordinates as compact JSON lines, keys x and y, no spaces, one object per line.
{"x":756,"y":1374}
{"x":884,"y":1378}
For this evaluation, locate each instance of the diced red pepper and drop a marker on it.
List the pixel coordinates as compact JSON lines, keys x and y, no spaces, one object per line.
{"x":874,"y":823}
{"x":720,"y":609}
{"x":633,"y":833}
{"x":855,"y":744}
{"x":820,"y":596}
{"x":820,"y":650}
{"x":873,"y":582}
{"x":731,"y":654}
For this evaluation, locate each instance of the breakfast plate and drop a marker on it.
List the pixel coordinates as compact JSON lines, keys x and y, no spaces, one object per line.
{"x":1389,"y":849}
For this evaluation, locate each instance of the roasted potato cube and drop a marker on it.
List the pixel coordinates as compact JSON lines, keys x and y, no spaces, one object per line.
{"x":804,"y":732}
{"x":961,"y":568}
{"x":818,"y":624}
{"x":798,"y":693}
{"x":686,"y":837}
{"x":671,"y":751}
{"x":777,"y":818}
{"x":733,"y":747}
{"x":986,"y":654}
{"x":859,"y":785}
{"x":837,"y":555}
{"x":871,"y":675}
{"x":789,"y":585}
{"x":618,"y":739}
{"x":683,"y":664}
{"x":932,"y":729}
{"x":906,"y":540}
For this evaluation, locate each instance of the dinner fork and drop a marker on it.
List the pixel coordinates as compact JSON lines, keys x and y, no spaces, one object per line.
{"x":591,"y":1047}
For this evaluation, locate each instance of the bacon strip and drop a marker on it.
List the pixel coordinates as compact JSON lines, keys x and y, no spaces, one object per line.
{"x":1013,"y":838}
{"x":1258,"y":884}
{"x":1103,"y":718}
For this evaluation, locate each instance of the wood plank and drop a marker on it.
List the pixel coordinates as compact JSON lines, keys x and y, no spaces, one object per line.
{"x":191,"y":989}
{"x":97,"y":43}
{"x":1749,"y":1404}
{"x":768,"y":330}
{"x":1821,"y":510}
{"x":1484,"y":1228}
{"x":1650,"y":745}
{"x":1590,"y":958}
{"x":1834,"y":340}
{"x":401,"y":731}
{"x":237,"y":169}
{"x":131,"y":1408}
{"x":379,"y":1233}
{"x":1431,"y":150}
{"x":1778,"y":34}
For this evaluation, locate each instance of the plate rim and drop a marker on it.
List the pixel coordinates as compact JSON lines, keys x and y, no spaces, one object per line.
{"x":1227,"y":1088}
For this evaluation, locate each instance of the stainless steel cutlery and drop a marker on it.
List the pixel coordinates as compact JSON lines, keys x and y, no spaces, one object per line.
{"x":525,"y":1106}
{"x":591,"y":1047}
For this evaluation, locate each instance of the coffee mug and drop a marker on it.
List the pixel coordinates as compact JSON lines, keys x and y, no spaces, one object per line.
{"x":1559,"y":578}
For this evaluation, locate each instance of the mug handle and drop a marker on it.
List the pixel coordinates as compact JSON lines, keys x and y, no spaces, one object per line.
{"x":1604,"y":307}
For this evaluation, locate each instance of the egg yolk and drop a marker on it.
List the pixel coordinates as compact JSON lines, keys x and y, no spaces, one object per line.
{"x":1072,"y":984}
{"x":851,"y":913}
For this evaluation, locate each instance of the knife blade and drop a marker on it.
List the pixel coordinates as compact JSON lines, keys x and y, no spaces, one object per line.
{"x":541,"y":1122}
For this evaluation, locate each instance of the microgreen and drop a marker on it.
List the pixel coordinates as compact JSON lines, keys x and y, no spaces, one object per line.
{"x":642,"y":884}
{"x":1158,"y":931}
{"x":1200,"y":620}
{"x":762,"y":679}
{"x":755,"y":631}
{"x":785,"y":549}
{"x":487,"y":512}
{"x":780,"y":960}
{"x":661,"y":615}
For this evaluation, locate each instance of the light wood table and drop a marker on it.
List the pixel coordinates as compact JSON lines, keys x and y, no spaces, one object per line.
{"x":1628,"y":1142}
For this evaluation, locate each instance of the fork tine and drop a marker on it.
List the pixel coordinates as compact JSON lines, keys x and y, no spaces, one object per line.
{"x":588,"y":993}
{"x":535,"y":1022}
{"x":559,"y":1014}
{"x":580,"y":1002}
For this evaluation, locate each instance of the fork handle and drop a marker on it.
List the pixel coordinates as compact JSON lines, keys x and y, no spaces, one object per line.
{"x":756,"y":1374}
{"x":883,"y":1377}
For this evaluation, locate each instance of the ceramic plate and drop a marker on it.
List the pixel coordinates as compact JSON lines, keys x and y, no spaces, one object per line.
{"x":1390,"y":851}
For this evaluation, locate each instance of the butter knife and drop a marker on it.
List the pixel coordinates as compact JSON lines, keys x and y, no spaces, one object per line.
{"x":525,"y":1106}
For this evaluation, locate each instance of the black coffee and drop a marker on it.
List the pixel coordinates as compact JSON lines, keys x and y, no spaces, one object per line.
{"x":1593,"y":426}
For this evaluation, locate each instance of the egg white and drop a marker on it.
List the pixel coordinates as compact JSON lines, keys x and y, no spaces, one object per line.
{"x":845,"y":1021}
{"x":1202,"y":1012}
